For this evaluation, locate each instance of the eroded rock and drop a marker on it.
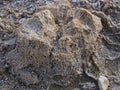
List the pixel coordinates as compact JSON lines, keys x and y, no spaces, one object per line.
{"x":64,"y":50}
{"x":56,"y":44}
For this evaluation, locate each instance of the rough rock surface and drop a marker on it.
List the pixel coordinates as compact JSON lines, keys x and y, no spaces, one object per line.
{"x":59,"y":44}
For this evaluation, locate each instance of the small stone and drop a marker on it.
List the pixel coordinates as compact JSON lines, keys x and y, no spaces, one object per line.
{"x":10,"y":42}
{"x":28,"y":78}
{"x":103,"y":83}
{"x":88,"y":86}
{"x":22,"y":20}
{"x":4,"y":13}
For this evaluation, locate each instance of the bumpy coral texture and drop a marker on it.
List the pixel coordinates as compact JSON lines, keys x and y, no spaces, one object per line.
{"x":62,"y":47}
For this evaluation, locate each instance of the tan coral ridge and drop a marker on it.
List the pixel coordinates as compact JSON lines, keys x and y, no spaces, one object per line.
{"x":42,"y":42}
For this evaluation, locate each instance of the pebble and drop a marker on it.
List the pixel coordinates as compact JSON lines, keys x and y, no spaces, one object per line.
{"x":103,"y":83}
{"x":28,"y":78}
{"x":22,"y":20}
{"x":3,"y":13}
